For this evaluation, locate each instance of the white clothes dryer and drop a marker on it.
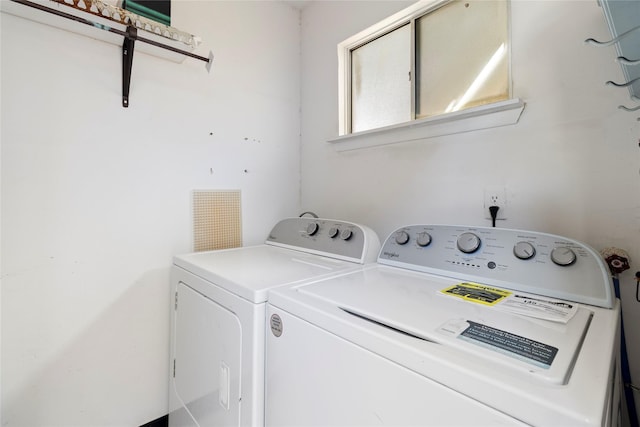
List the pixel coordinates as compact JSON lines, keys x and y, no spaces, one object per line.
{"x":218,"y":315}
{"x":452,"y":326}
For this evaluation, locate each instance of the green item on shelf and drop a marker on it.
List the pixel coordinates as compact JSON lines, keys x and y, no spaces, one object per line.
{"x":142,"y":10}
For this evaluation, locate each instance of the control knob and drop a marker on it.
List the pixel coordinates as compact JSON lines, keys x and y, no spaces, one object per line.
{"x":333,"y":232}
{"x":424,"y":239}
{"x":312,"y":228}
{"x":524,"y":250}
{"x":468,"y":242}
{"x":346,"y":234}
{"x":402,"y":237}
{"x":563,"y":256}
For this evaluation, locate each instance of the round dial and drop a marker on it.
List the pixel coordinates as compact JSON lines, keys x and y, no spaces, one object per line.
{"x":563,"y":256}
{"x":423,"y":239}
{"x":524,"y":250}
{"x":468,"y":242}
{"x":312,"y":228}
{"x":346,"y":234}
{"x":402,"y":237}
{"x":333,"y":232}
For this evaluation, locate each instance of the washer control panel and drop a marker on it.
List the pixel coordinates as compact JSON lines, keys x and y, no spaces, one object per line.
{"x":334,"y":238}
{"x":528,"y":261}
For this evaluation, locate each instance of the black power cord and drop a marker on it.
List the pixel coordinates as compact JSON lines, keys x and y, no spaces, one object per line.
{"x":493,"y":210}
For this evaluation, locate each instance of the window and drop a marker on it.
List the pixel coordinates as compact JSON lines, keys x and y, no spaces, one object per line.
{"x":461,"y":57}
{"x":380,"y":81}
{"x":428,"y":62}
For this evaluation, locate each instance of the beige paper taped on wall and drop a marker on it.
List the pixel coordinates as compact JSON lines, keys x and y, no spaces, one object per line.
{"x":217,"y":219}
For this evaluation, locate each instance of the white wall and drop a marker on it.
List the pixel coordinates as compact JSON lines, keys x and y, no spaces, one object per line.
{"x":96,"y":198}
{"x":570,"y":166}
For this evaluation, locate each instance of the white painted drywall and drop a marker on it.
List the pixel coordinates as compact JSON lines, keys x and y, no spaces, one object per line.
{"x":90,"y":219}
{"x":570,"y":166}
{"x":96,"y":198}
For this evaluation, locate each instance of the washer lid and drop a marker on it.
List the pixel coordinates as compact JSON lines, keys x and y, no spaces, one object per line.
{"x":414,"y":304}
{"x":250,"y":272}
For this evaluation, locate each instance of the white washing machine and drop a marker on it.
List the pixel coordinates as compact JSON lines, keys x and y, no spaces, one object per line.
{"x":218,"y":314}
{"x":452,"y":326}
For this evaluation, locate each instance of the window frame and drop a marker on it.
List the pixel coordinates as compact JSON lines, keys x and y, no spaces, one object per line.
{"x":502,"y":112}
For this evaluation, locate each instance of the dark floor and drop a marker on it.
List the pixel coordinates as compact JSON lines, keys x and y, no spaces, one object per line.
{"x":160,"y":422}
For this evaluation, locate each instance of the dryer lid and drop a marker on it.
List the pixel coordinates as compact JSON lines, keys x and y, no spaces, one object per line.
{"x":250,"y":272}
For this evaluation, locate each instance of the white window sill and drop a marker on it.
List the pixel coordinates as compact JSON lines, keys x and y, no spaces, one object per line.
{"x":484,"y":117}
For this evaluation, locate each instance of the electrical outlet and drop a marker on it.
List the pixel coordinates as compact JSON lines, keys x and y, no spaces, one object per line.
{"x":495,"y":196}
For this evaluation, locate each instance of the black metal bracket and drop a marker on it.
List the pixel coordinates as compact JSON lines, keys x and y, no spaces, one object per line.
{"x":130,"y":36}
{"x":127,"y":62}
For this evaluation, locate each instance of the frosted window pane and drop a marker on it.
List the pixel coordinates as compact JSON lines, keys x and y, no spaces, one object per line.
{"x":380,"y":85}
{"x":462,"y":57}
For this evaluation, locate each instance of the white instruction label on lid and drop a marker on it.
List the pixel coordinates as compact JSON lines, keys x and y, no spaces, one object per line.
{"x":539,"y":307}
{"x":536,"y":306}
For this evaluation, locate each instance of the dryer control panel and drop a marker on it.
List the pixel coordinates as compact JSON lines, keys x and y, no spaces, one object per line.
{"x":527,"y":261}
{"x":328,"y":237}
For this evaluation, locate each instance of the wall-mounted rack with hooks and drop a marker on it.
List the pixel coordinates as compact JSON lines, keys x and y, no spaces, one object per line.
{"x":111,"y":24}
{"x":623,"y":19}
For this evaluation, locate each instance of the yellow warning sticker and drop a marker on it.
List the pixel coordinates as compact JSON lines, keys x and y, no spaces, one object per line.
{"x":475,"y":292}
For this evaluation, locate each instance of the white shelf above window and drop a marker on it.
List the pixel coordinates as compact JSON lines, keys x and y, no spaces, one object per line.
{"x":23,"y":11}
{"x":106,"y":22}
